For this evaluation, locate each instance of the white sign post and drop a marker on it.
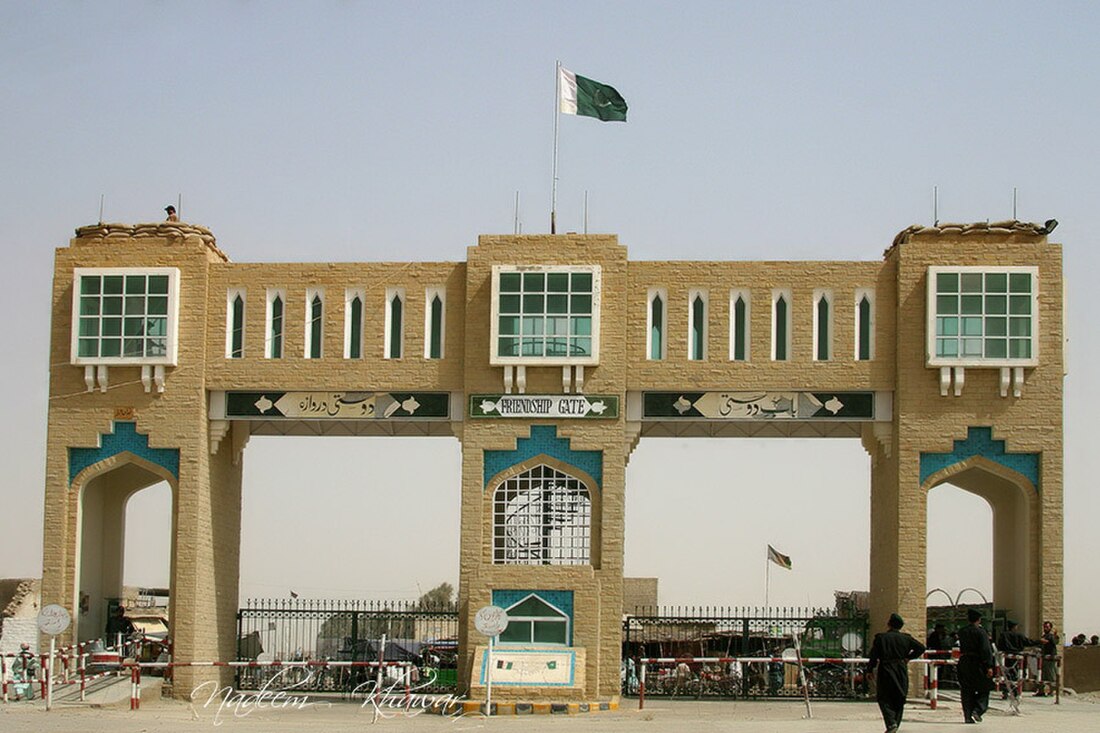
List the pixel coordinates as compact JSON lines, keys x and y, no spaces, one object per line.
{"x":490,"y":621}
{"x":52,"y":620}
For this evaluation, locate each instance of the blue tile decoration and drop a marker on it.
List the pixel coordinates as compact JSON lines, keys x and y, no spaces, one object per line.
{"x":980,"y":442}
{"x":559,"y":599}
{"x":124,"y":438}
{"x":544,"y":440}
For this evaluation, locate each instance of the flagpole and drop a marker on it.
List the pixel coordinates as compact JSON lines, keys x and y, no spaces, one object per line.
{"x":767,"y":577}
{"x":554,"y":182}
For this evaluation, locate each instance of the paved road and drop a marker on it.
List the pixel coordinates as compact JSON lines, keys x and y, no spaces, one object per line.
{"x":1074,"y":715}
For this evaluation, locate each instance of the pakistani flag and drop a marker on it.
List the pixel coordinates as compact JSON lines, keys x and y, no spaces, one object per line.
{"x":583,"y":96}
{"x":783,"y":561}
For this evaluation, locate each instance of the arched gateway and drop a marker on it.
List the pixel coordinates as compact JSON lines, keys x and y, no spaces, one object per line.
{"x":549,"y":358}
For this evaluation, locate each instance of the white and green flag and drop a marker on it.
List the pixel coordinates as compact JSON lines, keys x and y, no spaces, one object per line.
{"x":582,"y":96}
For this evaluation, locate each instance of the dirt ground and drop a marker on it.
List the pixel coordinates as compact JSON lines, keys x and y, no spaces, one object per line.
{"x":1073,"y":715}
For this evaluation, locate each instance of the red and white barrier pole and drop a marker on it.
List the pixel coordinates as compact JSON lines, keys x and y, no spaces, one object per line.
{"x":641,"y":683}
{"x":933,"y":685}
{"x":135,"y":687}
{"x":4,"y":677}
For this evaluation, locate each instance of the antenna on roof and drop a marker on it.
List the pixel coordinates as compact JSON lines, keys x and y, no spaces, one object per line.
{"x":935,"y":206}
{"x":515,"y":216}
{"x":101,"y":208}
{"x":1014,"y":203}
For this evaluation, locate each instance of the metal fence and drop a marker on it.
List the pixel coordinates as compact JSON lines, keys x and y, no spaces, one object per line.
{"x":421,"y":641}
{"x":738,"y":634}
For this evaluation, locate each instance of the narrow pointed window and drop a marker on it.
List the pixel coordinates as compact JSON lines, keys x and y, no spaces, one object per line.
{"x":355,"y":328}
{"x":235,"y":345}
{"x":275,"y":332}
{"x":739,"y":326}
{"x":864,"y":331}
{"x":394,"y":323}
{"x":782,"y":336}
{"x":697,"y":331}
{"x":823,"y":332}
{"x":656,"y":327}
{"x":316,"y":312}
{"x":435,"y":328}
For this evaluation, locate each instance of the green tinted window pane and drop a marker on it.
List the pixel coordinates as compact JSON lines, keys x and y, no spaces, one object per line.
{"x":533,"y":303}
{"x":112,"y":305}
{"x":1019,"y":282}
{"x":89,"y":306}
{"x":947,"y":326}
{"x":157,"y":305}
{"x":996,"y":282}
{"x":557,"y":347}
{"x":112,"y":284}
{"x":110,"y":347}
{"x":133,"y":347}
{"x":947,"y":282}
{"x":971,"y":347}
{"x":971,"y":282}
{"x":435,"y":337}
{"x":518,"y":632}
{"x":534,"y":282}
{"x":582,"y":282}
{"x":508,"y":347}
{"x":995,"y":326}
{"x":87,"y":347}
{"x":355,"y":345}
{"x":531,"y":347}
{"x":135,"y":285}
{"x":557,"y":303}
{"x":947,"y":304}
{"x":157,"y":347}
{"x":739,"y":329}
{"x":509,"y":304}
{"x":581,"y":326}
{"x":557,"y":326}
{"x":972,"y":326}
{"x":133,"y":327}
{"x":532,"y":326}
{"x":996,"y":304}
{"x":557,"y":282}
{"x":947,"y":347}
{"x":582,"y":346}
{"x":996,"y":348}
{"x":89,"y":285}
{"x":1019,"y":327}
{"x":971,"y":304}
{"x":156,"y":327}
{"x":135,"y":305}
{"x":549,"y":632}
{"x":1019,"y":304}
{"x":89,"y":327}
{"x":509,"y":325}
{"x":158,"y":284}
{"x":1019,"y":348}
{"x":509,"y":282}
{"x":112,"y":326}
{"x":581,"y":304}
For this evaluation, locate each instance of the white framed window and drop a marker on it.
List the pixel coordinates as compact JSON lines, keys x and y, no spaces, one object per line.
{"x":542,"y":516}
{"x":865,"y":324}
{"x":234,"y":323}
{"x":395,"y":323}
{"x":274,"y":323}
{"x":353,"y":322}
{"x":534,"y":620}
{"x":545,"y":314}
{"x":697,"y":325}
{"x":740,"y":324}
{"x":125,"y":315}
{"x":781,"y":324}
{"x":656,"y":324}
{"x":315,"y":323}
{"x":823,"y":325}
{"x":435,"y":322}
{"x":983,"y":316}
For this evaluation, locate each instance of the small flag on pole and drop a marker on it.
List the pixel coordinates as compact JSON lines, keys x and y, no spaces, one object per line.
{"x":295,"y":595}
{"x":783,"y":561}
{"x":582,"y":96}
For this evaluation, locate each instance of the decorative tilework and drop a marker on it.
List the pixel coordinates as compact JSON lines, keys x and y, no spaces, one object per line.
{"x":124,"y":438}
{"x":559,"y":599}
{"x":544,"y":440}
{"x":980,"y":442}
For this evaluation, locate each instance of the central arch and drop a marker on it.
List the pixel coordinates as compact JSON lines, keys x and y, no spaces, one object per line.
{"x":1014,"y":501}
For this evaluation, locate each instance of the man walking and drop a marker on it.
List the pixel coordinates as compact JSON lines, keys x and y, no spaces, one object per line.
{"x":1011,"y":644}
{"x":890,"y":653}
{"x":975,"y":668}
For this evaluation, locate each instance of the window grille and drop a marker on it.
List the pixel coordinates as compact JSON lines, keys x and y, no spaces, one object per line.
{"x":542,"y":517}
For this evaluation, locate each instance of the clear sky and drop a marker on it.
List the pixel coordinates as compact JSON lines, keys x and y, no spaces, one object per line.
{"x":355,"y":131}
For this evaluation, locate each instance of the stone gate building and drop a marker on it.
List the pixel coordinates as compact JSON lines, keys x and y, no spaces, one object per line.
{"x":549,"y":358}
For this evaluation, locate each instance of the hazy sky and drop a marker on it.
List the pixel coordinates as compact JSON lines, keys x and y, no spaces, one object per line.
{"x":355,"y":131}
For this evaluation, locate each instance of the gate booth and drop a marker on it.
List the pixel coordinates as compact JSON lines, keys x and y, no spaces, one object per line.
{"x":549,"y":358}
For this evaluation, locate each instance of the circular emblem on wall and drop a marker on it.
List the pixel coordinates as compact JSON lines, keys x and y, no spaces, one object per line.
{"x":491,"y":620}
{"x":53,"y":619}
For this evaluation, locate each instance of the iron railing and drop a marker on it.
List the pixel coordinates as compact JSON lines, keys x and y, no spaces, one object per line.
{"x":738,"y":634}
{"x":422,"y":640}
